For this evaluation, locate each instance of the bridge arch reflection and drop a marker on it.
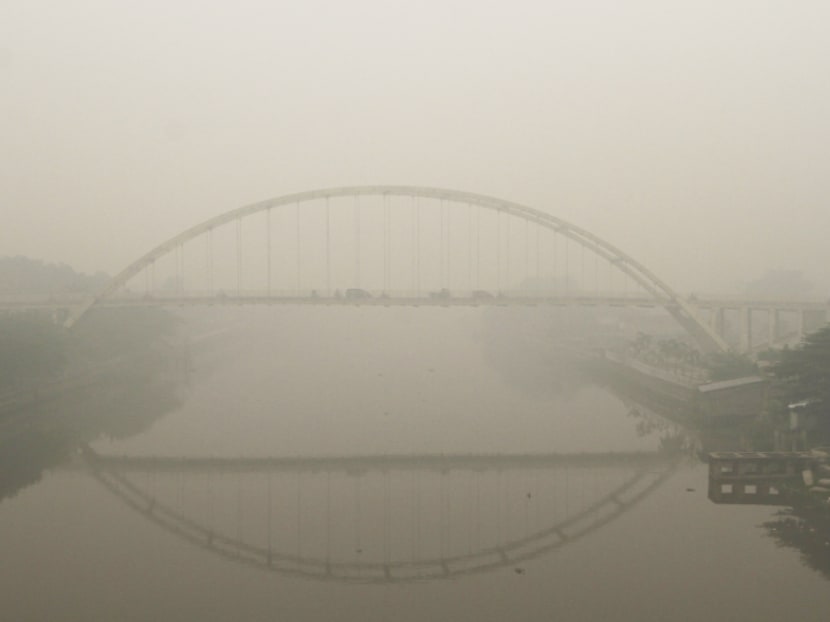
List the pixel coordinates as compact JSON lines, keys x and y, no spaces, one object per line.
{"x":383,"y":519}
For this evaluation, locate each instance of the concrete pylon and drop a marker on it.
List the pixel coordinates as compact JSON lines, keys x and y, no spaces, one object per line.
{"x":799,"y":325}
{"x":772,"y":327}
{"x":716,"y":320}
{"x":745,"y":325}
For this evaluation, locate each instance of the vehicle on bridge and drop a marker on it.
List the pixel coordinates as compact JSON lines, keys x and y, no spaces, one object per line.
{"x":355,"y":293}
{"x":441,"y":294}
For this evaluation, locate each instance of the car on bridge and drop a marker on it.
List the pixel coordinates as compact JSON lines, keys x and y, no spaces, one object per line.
{"x":355,"y":293}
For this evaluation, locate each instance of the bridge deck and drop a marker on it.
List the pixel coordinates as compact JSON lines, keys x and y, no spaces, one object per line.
{"x":502,"y":300}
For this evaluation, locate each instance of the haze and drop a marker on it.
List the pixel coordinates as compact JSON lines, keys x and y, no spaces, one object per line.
{"x":391,"y":401}
{"x":691,"y":134}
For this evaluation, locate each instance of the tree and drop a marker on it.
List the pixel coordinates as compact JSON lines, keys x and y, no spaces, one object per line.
{"x":803,"y":374}
{"x":804,"y":527}
{"x":22,"y":275}
{"x":31,"y":349}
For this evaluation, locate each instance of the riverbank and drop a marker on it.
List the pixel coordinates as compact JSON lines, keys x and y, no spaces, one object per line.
{"x":727,"y":401}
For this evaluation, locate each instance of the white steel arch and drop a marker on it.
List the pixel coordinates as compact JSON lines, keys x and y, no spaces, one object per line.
{"x":675,"y":304}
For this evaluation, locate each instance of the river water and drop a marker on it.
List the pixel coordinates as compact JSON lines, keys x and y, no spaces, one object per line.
{"x":383,"y":464}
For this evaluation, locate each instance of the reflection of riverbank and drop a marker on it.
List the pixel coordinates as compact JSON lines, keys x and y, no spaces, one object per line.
{"x":703,"y":403}
{"x":123,"y":400}
{"x":656,"y":413}
{"x":761,"y":478}
{"x":807,"y":530}
{"x":796,"y":480}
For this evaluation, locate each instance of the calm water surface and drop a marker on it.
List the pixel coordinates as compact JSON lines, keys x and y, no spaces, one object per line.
{"x":383,"y":464}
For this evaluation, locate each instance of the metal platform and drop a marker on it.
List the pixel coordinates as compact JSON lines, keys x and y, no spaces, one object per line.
{"x":757,"y":477}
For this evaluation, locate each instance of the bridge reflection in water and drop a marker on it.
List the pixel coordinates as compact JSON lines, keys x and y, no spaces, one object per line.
{"x":383,"y":519}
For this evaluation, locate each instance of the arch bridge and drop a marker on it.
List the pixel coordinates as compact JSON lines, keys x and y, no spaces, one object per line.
{"x":392,"y":245}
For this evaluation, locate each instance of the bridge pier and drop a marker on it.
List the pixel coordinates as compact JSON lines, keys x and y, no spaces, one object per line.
{"x":745,"y":328}
{"x":799,"y":325}
{"x":773,"y":331}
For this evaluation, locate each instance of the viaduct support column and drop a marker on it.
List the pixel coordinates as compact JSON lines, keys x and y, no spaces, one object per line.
{"x":716,"y":315}
{"x":772,"y":327}
{"x":799,"y":324}
{"x":746,"y":329}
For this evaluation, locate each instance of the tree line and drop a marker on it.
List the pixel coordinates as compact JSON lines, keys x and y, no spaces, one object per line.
{"x":25,"y":276}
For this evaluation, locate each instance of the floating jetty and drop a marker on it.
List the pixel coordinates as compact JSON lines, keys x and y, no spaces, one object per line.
{"x":769,"y":477}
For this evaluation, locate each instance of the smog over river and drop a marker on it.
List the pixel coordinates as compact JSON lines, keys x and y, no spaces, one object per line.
{"x":444,"y":311}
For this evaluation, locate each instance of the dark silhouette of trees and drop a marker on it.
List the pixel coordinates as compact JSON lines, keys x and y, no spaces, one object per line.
{"x":31,"y":350}
{"x":807,"y":529}
{"x":803,"y":375}
{"x":25,"y":276}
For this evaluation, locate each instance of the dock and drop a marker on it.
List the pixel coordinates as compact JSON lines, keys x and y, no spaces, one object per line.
{"x":759,"y":477}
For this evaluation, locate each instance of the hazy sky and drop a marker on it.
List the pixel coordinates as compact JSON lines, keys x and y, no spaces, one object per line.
{"x":693,"y":134}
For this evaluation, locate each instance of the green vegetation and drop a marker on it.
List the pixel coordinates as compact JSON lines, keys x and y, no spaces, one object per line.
{"x":673,"y":355}
{"x":803,"y":375}
{"x":21,"y":276}
{"x":805,"y":528}
{"x":32,"y":349}
{"x":683,"y":358}
{"x":662,"y":351}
